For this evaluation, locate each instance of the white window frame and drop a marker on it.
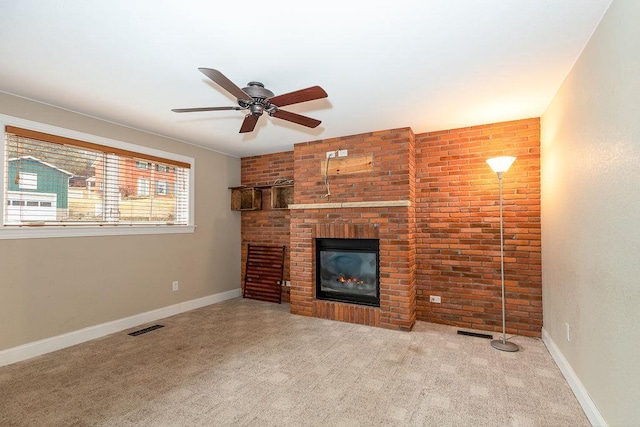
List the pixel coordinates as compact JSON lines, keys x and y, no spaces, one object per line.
{"x":142,"y":187}
{"x":26,"y":232}
{"x":27,"y":181}
{"x":162,"y":188}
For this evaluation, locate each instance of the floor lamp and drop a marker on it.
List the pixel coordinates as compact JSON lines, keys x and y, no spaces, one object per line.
{"x":500,"y":165}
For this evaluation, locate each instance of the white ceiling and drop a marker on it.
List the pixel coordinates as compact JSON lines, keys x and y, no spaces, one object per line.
{"x":426,"y":64}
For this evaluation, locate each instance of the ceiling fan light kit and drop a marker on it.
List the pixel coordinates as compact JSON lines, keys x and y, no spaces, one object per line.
{"x":256,"y":99}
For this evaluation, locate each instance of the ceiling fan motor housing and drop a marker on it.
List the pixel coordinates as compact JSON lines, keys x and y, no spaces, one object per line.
{"x":260,"y":95}
{"x":257,"y":90}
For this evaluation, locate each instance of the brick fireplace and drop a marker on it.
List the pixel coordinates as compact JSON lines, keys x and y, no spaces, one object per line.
{"x":374,"y":203}
{"x":431,"y":202}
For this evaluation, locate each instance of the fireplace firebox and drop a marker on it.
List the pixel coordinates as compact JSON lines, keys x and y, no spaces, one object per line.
{"x":347,"y":270}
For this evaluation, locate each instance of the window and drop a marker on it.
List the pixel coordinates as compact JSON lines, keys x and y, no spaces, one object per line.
{"x":162,"y":188}
{"x":143,"y":187}
{"x":38,"y":167}
{"x":27,"y":181}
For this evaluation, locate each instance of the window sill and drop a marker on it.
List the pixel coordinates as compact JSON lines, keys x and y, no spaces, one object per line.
{"x":89,"y":231}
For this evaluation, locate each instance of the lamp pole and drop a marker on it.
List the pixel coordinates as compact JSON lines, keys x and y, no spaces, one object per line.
{"x":501,"y":165}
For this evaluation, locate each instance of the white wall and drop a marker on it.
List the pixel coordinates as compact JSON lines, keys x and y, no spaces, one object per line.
{"x":54,"y":286}
{"x":590,"y":169}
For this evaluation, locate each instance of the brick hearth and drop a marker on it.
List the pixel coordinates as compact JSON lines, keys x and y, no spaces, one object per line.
{"x":397,"y":273}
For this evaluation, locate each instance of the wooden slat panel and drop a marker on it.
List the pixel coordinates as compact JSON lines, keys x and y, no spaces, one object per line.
{"x":347,"y":165}
{"x":264,"y":273}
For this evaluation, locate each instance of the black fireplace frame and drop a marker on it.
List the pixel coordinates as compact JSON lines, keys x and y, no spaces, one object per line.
{"x":346,"y":245}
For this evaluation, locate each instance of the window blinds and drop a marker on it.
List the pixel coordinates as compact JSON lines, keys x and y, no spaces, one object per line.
{"x":54,"y":180}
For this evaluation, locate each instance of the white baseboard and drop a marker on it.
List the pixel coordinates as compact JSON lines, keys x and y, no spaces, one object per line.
{"x":590,"y":408}
{"x":47,"y":345}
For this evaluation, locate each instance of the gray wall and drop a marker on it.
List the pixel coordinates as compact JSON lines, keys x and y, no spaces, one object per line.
{"x":591,"y":215}
{"x":57,"y":285}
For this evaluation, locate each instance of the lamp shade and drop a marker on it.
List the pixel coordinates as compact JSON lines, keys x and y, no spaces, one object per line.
{"x":501,"y":164}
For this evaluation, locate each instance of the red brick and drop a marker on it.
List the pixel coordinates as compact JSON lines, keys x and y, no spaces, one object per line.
{"x":446,"y":244}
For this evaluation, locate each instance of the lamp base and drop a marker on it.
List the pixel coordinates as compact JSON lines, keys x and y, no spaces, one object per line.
{"x":504,"y":345}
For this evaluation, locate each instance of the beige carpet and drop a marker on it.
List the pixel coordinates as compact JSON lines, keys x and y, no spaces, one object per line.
{"x":246,"y":362}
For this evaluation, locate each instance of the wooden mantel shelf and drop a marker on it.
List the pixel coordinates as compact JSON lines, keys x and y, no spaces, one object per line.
{"x":346,"y":205}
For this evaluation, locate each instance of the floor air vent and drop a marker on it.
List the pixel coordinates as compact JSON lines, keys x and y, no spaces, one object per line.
{"x":475,"y":334}
{"x":145,"y":330}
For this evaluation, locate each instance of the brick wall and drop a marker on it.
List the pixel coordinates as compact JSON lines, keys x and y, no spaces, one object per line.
{"x":447,"y":243}
{"x":267,"y":226}
{"x":457,"y":228}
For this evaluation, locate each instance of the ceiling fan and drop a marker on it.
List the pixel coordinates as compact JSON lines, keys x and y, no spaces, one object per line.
{"x":257,"y":100}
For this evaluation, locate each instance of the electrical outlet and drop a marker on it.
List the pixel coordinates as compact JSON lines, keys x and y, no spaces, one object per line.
{"x":331,"y":154}
{"x":568,"y":332}
{"x":343,"y":153}
{"x":434,"y":299}
{"x":176,"y":286}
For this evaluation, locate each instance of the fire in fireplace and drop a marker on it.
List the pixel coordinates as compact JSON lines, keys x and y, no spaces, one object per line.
{"x":347,"y":270}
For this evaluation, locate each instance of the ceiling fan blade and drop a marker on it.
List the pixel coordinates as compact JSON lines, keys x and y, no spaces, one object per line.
{"x":296,"y":118}
{"x":225,"y":83}
{"x":249,"y":123}
{"x":302,"y":95}
{"x":192,"y":110}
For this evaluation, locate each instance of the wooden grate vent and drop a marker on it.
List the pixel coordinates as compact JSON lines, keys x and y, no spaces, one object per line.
{"x":263,"y":273}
